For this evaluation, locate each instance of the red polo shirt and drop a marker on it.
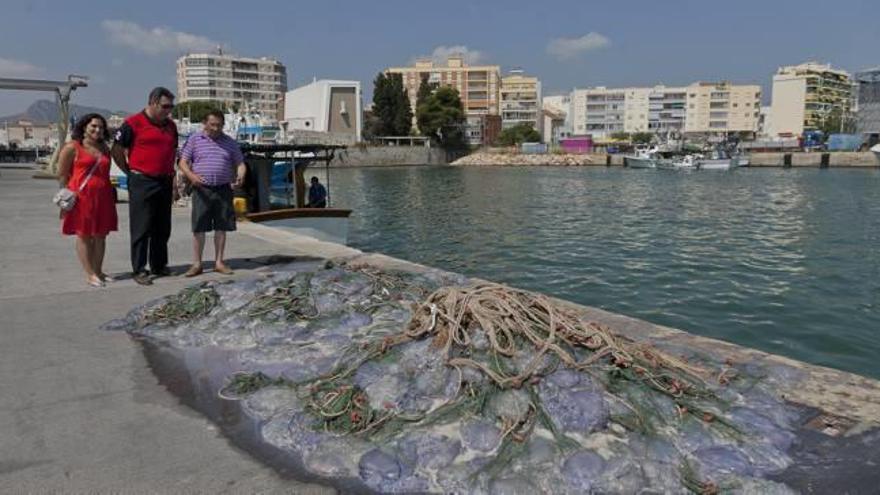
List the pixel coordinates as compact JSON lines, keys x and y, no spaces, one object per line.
{"x":152,"y":148}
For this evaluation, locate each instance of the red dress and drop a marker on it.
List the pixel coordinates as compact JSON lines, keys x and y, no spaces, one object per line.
{"x":94,"y":213}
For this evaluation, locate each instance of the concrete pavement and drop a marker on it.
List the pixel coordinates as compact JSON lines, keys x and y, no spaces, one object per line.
{"x":80,"y":411}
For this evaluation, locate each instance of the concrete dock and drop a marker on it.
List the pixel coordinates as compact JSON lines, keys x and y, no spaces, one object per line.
{"x":83,"y":412}
{"x":80,"y":411}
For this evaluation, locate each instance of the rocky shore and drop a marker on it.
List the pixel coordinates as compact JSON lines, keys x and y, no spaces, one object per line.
{"x":521,"y":159}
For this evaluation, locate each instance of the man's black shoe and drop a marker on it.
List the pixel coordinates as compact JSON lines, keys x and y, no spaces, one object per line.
{"x":162,"y":272}
{"x":142,"y":278}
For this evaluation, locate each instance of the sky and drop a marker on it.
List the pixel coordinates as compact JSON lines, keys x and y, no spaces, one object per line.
{"x":126,"y":48}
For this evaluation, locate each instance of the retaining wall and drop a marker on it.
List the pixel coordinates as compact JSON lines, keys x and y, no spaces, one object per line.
{"x":815,"y":159}
{"x":387,"y":156}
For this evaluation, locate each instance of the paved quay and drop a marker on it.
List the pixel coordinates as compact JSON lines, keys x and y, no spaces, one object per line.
{"x":80,"y":411}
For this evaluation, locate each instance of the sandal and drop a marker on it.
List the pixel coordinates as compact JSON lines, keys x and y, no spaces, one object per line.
{"x":106,"y":278}
{"x":95,"y":281}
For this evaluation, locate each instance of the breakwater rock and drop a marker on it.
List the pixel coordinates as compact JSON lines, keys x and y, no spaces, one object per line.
{"x":522,"y":159}
{"x":386,"y":380}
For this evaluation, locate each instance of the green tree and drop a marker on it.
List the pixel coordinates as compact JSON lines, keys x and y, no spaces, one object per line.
{"x":441,"y":116}
{"x":391,"y":106}
{"x":641,"y":137}
{"x":520,"y":133}
{"x":196,"y":110}
{"x":620,"y":136}
{"x":837,"y":121}
{"x":426,"y":89}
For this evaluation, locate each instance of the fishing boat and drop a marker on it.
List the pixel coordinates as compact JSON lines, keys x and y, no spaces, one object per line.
{"x":644,"y":158}
{"x":276,"y":190}
{"x":686,"y":162}
{"x":720,"y":160}
{"x":718,"y":163}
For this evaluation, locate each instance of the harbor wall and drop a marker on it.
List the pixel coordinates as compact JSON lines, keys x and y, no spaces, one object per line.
{"x":839,"y":159}
{"x":389,"y":156}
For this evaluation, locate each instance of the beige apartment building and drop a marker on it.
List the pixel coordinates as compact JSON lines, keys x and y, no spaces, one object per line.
{"x":478,"y":86}
{"x":805,"y":95}
{"x":256,"y":83}
{"x":722,"y":107}
{"x":521,"y":101}
{"x":699,"y":108}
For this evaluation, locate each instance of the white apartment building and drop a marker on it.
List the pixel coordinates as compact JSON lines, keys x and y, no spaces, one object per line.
{"x":257,"y":83}
{"x":521,"y":101}
{"x":557,"y":106}
{"x":805,"y":95}
{"x":326,"y":106}
{"x":706,"y":108}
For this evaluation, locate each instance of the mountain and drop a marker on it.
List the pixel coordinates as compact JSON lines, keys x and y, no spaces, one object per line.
{"x":46,"y":112}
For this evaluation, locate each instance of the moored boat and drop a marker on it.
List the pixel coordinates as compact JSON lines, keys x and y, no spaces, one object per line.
{"x":686,"y":162}
{"x":284,"y":208}
{"x":644,"y":158}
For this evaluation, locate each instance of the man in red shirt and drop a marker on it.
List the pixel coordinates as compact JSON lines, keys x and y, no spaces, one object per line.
{"x":145,"y":148}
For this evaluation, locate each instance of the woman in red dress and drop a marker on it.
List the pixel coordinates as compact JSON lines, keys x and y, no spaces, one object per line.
{"x":87,"y":158}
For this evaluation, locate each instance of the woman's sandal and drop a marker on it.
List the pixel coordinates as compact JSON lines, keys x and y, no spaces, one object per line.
{"x":95,"y":281}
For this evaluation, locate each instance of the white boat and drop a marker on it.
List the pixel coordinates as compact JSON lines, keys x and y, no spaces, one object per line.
{"x":718,"y":163}
{"x":324,"y":224}
{"x":686,"y":162}
{"x":876,"y":150}
{"x":644,"y":158}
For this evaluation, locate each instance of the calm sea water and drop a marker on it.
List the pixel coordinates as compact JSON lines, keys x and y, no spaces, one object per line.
{"x":786,"y":261}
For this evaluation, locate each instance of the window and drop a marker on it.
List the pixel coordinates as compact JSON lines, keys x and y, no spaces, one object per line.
{"x":735,"y":105}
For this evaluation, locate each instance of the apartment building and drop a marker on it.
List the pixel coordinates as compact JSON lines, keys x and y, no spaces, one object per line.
{"x":705,"y":108}
{"x":722,"y":107}
{"x":805,"y":95}
{"x":478,"y":86}
{"x":258,"y":83}
{"x":557,"y":107}
{"x":520,"y":101}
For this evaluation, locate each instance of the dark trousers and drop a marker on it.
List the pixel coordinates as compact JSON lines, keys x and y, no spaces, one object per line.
{"x":149,"y":214}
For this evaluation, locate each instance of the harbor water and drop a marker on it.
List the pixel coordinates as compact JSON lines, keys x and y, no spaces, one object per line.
{"x":785,"y":261}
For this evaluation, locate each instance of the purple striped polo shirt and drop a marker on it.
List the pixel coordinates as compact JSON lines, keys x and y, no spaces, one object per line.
{"x":214,"y":160}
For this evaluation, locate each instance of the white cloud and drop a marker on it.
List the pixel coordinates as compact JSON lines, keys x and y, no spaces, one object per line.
{"x":566,"y":48}
{"x":17,"y":68}
{"x":442,"y":52}
{"x":153,"y":41}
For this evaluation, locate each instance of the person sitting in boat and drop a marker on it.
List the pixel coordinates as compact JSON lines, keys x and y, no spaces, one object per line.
{"x":317,"y":194}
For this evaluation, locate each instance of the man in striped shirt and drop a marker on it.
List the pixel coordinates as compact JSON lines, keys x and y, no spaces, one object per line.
{"x":213,"y":163}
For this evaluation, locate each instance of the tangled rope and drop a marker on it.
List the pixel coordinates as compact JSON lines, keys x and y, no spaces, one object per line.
{"x":293,"y":297}
{"x":516,"y":322}
{"x":188,"y":304}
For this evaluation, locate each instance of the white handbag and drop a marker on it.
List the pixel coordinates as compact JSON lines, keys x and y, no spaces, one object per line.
{"x":65,"y":198}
